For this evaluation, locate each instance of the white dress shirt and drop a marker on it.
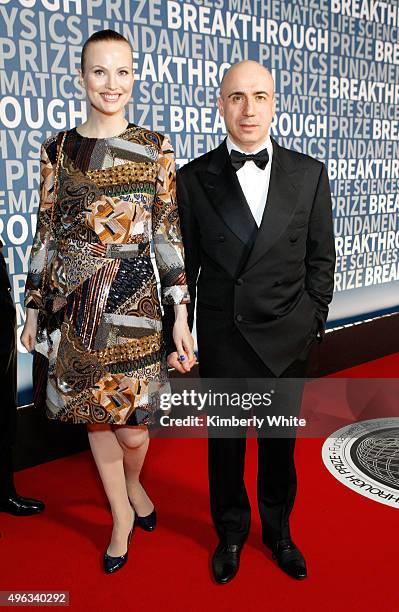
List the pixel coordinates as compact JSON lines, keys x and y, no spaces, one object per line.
{"x":254,"y":181}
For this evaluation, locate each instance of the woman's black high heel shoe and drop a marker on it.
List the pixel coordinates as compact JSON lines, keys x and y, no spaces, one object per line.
{"x":113,"y":564}
{"x":148,"y":523}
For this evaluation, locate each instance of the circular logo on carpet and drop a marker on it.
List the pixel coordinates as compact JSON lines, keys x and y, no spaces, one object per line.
{"x":364,"y":456}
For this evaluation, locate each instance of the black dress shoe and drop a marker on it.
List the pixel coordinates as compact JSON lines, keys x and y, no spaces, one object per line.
{"x":225,"y":562}
{"x":290,"y":558}
{"x":113,"y":564}
{"x":148,"y":523}
{"x":20,"y":506}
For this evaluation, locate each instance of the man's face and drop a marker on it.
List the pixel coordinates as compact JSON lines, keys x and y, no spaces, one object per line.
{"x":247,"y":104}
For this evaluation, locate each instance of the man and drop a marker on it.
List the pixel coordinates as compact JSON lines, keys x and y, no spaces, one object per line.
{"x":257,"y":227}
{"x":10,"y":501}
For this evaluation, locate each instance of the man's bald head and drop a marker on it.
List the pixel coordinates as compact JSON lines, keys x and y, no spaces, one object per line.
{"x":249,"y":68}
{"x":247,"y":103}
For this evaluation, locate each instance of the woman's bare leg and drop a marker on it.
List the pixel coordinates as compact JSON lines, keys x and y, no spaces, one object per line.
{"x":134,"y":442}
{"x":108,"y":456}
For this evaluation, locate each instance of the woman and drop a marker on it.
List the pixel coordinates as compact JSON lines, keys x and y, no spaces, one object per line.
{"x":91,"y":271}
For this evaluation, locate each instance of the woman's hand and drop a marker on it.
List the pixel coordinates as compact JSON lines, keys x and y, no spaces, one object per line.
{"x":28,"y":335}
{"x":184,"y":359}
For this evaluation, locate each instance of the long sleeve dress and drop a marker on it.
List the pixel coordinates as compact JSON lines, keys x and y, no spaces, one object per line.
{"x":92,"y":271}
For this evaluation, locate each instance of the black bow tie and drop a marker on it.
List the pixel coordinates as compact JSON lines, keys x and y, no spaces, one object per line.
{"x":238,"y":159}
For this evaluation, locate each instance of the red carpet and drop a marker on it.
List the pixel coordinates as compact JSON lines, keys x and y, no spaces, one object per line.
{"x":350,"y":542}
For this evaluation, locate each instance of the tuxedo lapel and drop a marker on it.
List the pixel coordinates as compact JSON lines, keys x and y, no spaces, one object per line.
{"x":284,"y":187}
{"x":224,"y":190}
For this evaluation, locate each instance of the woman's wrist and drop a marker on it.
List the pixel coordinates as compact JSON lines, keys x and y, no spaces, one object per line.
{"x":31,"y":313}
{"x":180,"y":313}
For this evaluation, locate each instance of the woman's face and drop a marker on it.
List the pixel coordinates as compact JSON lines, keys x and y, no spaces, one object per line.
{"x":108,"y":75}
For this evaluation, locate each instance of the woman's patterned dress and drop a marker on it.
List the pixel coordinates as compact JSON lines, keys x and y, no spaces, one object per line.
{"x":116,"y":206}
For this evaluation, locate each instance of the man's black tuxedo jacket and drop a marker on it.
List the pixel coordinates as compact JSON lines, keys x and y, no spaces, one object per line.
{"x":273,"y":283}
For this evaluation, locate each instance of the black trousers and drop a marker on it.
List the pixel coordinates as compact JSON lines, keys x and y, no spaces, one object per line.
{"x":8,"y":378}
{"x":276,"y":479}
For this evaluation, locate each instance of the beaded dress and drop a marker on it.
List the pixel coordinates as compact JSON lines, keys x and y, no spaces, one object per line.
{"x":113,"y":230}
